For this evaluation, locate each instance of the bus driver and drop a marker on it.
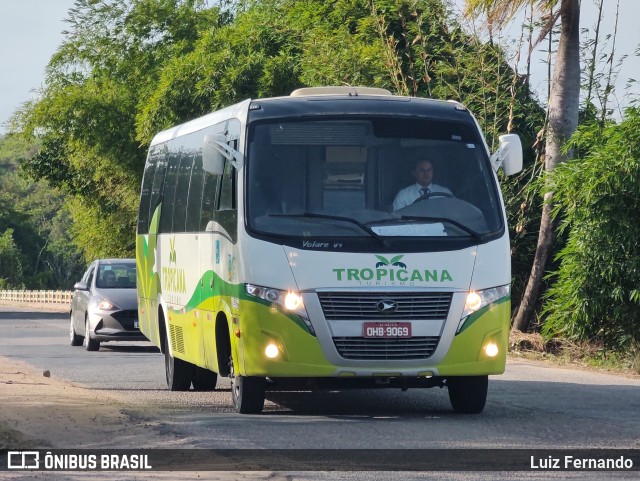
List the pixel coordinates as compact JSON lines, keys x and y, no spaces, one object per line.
{"x":423,"y":173}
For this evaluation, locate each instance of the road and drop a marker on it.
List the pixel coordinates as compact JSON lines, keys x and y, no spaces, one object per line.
{"x":533,"y":405}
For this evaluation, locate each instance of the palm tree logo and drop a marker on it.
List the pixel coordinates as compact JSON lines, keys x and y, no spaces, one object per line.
{"x":395,"y":261}
{"x":172,"y":250}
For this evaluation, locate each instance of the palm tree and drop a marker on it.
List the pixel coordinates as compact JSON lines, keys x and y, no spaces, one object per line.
{"x":563,"y":104}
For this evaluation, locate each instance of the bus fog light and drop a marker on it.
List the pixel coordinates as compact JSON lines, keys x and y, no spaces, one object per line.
{"x":491,"y":349}
{"x":271,"y":351}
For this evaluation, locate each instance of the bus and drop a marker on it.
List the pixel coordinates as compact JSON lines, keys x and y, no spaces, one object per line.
{"x":269,"y":249}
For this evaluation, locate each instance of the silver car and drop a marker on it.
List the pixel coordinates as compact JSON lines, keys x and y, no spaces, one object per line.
{"x":104,"y":306}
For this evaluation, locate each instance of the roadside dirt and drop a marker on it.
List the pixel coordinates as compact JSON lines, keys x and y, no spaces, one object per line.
{"x":49,"y":307}
{"x":40,"y":412}
{"x":37,"y":411}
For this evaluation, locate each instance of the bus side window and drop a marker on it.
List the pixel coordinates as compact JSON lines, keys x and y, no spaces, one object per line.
{"x":182,"y":192}
{"x":145,"y":191}
{"x":227,"y":191}
{"x":157,"y":188}
{"x":194,"y":203}
{"x":227,"y":215}
{"x":166,"y":212}
{"x":209,"y":196}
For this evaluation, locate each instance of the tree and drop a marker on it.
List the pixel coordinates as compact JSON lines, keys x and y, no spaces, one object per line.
{"x":40,"y":226}
{"x":84,"y":123}
{"x":563,"y":109}
{"x":10,"y":265}
{"x":596,"y":293}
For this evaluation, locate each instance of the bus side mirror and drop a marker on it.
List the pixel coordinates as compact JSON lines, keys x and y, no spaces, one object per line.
{"x":212,"y":157}
{"x":509,"y":155}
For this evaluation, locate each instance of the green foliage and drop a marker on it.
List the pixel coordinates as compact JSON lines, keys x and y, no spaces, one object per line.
{"x":84,"y":124}
{"x":10,"y":265}
{"x":596,"y":295}
{"x":36,"y":250}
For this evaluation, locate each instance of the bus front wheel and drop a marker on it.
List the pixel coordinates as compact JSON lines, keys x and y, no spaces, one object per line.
{"x":468,"y":394}
{"x":247,"y":392}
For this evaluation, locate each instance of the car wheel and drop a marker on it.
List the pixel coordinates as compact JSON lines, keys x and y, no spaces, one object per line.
{"x":468,"y":394}
{"x":247,"y":392}
{"x":88,"y":343}
{"x":74,"y":339}
{"x":203,"y":379}
{"x":178,"y":372}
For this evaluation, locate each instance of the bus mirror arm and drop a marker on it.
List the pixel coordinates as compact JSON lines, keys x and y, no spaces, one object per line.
{"x":215,"y":150}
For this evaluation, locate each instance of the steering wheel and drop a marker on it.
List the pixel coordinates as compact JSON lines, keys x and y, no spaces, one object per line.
{"x":432,"y":194}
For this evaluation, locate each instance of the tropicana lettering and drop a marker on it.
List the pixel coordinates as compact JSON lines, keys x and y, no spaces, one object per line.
{"x":401,"y":275}
{"x":173,"y":280}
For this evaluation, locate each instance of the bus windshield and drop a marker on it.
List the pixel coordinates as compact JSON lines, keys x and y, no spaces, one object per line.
{"x":375,"y":177}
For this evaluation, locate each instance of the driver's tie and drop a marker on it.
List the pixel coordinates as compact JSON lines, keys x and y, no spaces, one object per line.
{"x":424,"y":191}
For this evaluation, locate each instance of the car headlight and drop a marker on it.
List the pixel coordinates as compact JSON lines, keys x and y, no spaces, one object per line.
{"x":106,"y":305}
{"x":476,"y":300}
{"x":287,"y":301}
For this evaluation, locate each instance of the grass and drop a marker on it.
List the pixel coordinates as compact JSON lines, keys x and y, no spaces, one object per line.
{"x":566,"y":352}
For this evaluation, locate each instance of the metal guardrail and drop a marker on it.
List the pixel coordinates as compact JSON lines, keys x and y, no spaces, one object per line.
{"x":40,"y":297}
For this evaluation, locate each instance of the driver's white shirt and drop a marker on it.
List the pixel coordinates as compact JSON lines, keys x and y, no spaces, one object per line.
{"x":408,"y":195}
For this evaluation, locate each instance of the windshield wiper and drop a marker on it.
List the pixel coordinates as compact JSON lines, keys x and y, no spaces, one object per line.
{"x":468,"y":230}
{"x":364,"y":227}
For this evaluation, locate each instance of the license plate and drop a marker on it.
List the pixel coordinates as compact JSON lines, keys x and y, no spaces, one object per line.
{"x":386,"y":329}
{"x":136,"y":325}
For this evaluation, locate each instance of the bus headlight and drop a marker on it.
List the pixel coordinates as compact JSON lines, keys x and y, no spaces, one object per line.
{"x":292,"y":301}
{"x":476,"y":300}
{"x":287,"y":301}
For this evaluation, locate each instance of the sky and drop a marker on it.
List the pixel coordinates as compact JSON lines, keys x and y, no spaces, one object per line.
{"x":31,"y":31}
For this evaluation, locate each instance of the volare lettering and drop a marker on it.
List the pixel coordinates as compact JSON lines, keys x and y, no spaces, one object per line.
{"x":315,"y":245}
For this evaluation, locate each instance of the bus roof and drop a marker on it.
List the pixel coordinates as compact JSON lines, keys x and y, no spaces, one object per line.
{"x":324,"y":101}
{"x":341,"y":104}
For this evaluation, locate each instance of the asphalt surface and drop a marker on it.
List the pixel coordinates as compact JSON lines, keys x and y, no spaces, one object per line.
{"x":531,"y":406}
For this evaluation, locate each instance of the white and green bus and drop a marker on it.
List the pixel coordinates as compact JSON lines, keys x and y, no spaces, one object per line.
{"x":269,"y":250}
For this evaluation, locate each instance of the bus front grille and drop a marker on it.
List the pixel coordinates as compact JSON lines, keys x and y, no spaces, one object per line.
{"x":387,"y":348}
{"x":368,"y":306}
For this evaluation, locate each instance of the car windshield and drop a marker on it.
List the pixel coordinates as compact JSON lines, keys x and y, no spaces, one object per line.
{"x":365,"y":177}
{"x":116,"y":276}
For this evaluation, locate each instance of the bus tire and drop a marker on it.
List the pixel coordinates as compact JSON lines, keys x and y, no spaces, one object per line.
{"x":468,"y":394}
{"x":247,"y":392}
{"x":203,"y":379}
{"x":177,"y":371}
